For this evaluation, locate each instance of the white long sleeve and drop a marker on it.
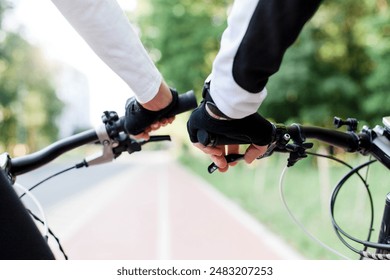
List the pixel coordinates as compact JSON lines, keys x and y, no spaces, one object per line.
{"x":230,"y":97}
{"x":252,"y":48}
{"x":106,"y":29}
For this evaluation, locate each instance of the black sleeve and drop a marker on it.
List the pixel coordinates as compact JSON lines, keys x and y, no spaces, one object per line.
{"x":20,"y":239}
{"x":274,"y":26}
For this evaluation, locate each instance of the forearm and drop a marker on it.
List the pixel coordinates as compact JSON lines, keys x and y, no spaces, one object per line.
{"x":252,"y":48}
{"x":104,"y":26}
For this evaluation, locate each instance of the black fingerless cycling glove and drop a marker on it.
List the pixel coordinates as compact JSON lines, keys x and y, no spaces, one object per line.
{"x":208,"y":130}
{"x":137,"y":118}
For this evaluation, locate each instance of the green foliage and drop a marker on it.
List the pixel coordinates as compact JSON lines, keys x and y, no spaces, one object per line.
{"x":338,"y":66}
{"x":183,"y":38}
{"x":377,"y":42}
{"x":28,"y":103}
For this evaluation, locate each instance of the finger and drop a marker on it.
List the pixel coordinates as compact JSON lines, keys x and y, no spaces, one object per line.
{"x":253,"y":152}
{"x":223,"y":169}
{"x":221,"y":162}
{"x":155,"y":126}
{"x":166,"y":121}
{"x":217,"y":151}
{"x":232,"y":149}
{"x":143,"y":135}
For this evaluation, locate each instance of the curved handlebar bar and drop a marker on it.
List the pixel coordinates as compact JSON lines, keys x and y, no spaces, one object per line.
{"x":374,"y":141}
{"x":297,"y":132}
{"x":369,"y":141}
{"x":111,"y":130}
{"x":32,"y":161}
{"x":346,"y":140}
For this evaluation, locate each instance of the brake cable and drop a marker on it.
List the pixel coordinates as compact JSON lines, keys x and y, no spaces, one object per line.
{"x":336,"y":227}
{"x":43,"y":221}
{"x":297,"y":222}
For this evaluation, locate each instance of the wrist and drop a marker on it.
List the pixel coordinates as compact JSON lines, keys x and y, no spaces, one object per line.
{"x":161,"y":100}
{"x":214,"y":112}
{"x":211,"y":107}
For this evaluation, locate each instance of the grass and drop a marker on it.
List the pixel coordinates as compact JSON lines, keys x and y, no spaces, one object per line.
{"x":307,"y":191}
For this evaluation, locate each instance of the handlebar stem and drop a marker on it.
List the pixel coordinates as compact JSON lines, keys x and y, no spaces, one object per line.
{"x":380,"y":145}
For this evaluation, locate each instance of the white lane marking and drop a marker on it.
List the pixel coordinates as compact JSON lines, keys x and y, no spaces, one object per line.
{"x":163,"y":234}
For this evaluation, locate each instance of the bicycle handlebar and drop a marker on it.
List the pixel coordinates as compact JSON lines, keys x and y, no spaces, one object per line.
{"x":298,"y":132}
{"x":185,"y":102}
{"x":346,"y":140}
{"x":369,"y":141}
{"x":32,"y":161}
{"x":112,"y":130}
{"x":374,"y":141}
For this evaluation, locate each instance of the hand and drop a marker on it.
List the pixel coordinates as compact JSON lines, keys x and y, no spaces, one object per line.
{"x":218,"y":153}
{"x":253,"y":130}
{"x":154,"y":126}
{"x":141,"y":119}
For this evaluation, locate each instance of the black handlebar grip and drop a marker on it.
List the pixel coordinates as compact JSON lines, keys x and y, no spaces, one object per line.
{"x":186,"y":101}
{"x":209,"y":139}
{"x":204,"y":138}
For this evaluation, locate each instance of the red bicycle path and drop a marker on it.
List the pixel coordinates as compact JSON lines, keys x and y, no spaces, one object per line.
{"x":159,"y":210}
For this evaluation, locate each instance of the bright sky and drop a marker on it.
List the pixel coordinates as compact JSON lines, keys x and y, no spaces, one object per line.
{"x":46,"y":27}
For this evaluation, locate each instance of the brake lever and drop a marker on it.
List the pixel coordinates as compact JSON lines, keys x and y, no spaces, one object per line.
{"x":131,"y":145}
{"x":123,"y":143}
{"x":280,"y":143}
{"x":237,"y":157}
{"x":156,"y":138}
{"x":229,"y":158}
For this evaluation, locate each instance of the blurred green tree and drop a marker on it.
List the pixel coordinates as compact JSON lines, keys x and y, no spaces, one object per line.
{"x":183,"y":37}
{"x":333,"y":68}
{"x":376,"y":30}
{"x":338,"y":66}
{"x":28,"y":102}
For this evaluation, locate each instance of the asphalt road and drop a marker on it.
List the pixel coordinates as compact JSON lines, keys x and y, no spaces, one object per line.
{"x":69,"y":183}
{"x":148,"y":207}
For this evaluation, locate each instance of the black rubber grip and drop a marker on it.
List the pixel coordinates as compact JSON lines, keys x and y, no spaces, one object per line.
{"x":186,"y":102}
{"x":209,"y":139}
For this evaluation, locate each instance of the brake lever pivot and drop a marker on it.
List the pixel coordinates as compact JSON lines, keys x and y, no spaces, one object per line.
{"x":115,"y":141}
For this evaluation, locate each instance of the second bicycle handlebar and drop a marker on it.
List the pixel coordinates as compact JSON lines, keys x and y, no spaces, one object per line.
{"x":23,"y":164}
{"x":347,"y":140}
{"x":374,"y":141}
{"x":299,"y":133}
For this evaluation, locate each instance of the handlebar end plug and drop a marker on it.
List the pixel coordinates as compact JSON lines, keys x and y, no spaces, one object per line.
{"x":205,"y":138}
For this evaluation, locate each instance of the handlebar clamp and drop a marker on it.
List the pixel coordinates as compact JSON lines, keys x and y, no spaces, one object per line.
{"x":351,"y":123}
{"x":110,"y":120}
